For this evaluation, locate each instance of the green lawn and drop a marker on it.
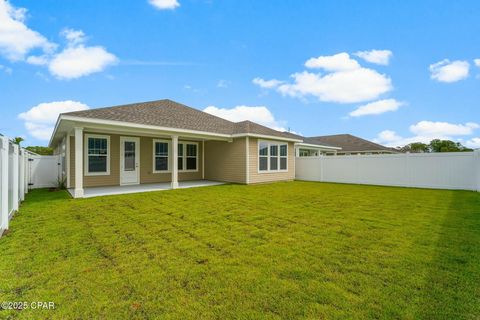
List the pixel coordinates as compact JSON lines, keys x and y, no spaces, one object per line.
{"x":274,"y":251}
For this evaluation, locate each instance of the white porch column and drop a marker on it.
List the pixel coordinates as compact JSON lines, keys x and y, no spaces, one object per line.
{"x":78,"y":192}
{"x":174,"y":162}
{"x":203,"y":159}
{"x":67,"y":159}
{"x":16,"y":177}
{"x":4,"y":183}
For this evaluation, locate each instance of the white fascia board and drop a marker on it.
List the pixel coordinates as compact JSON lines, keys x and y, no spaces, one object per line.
{"x":54,"y":132}
{"x":132,"y":125}
{"x":263,"y":136}
{"x":167,"y":129}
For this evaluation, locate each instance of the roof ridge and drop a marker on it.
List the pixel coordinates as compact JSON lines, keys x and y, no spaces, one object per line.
{"x":197,"y":110}
{"x":120,"y":105}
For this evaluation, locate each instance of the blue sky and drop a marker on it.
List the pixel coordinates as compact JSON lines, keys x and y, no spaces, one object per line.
{"x":393,"y":72}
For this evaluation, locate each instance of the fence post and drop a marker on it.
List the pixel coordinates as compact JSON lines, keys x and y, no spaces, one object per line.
{"x":21,"y":182}
{"x":16,"y":178}
{"x":4,"y":183}
{"x":322,"y":165}
{"x":26,"y":164}
{"x":476,"y":164}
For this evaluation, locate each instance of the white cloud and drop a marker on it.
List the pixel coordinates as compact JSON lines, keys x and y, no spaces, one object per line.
{"x":346,"y":81}
{"x":5,"y":69}
{"x":40,"y":119}
{"x":381,"y":57}
{"x":473,"y":143}
{"x":164,"y":4}
{"x":39,"y":131}
{"x":74,"y":37}
{"x":446,"y":71}
{"x":377,"y":107}
{"x":430,"y":128}
{"x":222,"y":83}
{"x":477,"y":62}
{"x":388,"y":136}
{"x":258,"y":114}
{"x":78,"y":60}
{"x":16,"y":39}
{"x":426,"y":131}
{"x":337,"y":62}
{"x":350,"y":86}
{"x":38,"y":60}
{"x":267,"y":84}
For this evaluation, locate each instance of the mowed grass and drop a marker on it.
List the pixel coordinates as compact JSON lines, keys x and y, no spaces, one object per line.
{"x":275,"y":251}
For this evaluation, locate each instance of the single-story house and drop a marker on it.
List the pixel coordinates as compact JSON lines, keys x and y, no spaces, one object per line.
{"x":167,"y":142}
{"x":346,"y":144}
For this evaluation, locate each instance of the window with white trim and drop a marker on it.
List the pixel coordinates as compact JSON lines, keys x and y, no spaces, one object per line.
{"x":191,"y":156}
{"x":180,"y":156}
{"x":97,"y":155}
{"x":272,"y":156}
{"x":160,"y":155}
{"x":188,"y":156}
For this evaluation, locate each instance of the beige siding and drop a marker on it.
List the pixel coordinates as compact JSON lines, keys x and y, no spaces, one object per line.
{"x":226,"y":161}
{"x":146,"y":165}
{"x":256,"y":177}
{"x":146,"y":169}
{"x":113,"y":178}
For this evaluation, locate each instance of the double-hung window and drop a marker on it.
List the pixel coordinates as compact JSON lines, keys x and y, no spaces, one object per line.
{"x":187,"y":159}
{"x":283,"y":156}
{"x":160,"y":155}
{"x":263,"y":156}
{"x":180,"y":156}
{"x":272,"y":156}
{"x":191,"y":156}
{"x":188,"y":156}
{"x":97,"y":155}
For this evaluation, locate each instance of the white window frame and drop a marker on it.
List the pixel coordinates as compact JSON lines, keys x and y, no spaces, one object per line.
{"x":184,"y":156}
{"x":169,"y":142}
{"x":270,"y":143}
{"x":85,"y":156}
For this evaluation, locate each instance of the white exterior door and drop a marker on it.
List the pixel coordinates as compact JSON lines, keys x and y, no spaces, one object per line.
{"x":129,"y":160}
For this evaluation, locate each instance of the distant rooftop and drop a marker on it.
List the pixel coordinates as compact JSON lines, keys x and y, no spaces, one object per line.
{"x":348,"y":143}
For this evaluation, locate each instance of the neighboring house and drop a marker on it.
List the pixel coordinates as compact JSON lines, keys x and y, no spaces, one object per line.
{"x":348,"y":145}
{"x":313,"y":148}
{"x":165,"y":141}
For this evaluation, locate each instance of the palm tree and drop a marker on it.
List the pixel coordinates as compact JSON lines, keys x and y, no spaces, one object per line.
{"x":18,"y":140}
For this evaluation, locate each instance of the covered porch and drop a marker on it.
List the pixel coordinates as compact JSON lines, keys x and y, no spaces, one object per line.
{"x":90,"y":192}
{"x":117,"y":160}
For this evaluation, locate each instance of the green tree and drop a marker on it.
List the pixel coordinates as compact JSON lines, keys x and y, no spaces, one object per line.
{"x":44,"y":151}
{"x":18,"y":140}
{"x":416,"y":147}
{"x":438,"y":145}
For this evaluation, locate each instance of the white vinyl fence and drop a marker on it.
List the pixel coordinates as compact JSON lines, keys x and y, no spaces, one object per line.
{"x":44,"y":171}
{"x":21,"y":170}
{"x":451,"y":170}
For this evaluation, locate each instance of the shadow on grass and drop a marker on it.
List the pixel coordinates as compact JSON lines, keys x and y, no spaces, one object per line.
{"x":452,"y":289}
{"x":46,"y":195}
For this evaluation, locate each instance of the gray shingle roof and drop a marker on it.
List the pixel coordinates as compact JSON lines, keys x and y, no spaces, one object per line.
{"x":171,"y":114}
{"x":348,"y":143}
{"x":252,"y":127}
